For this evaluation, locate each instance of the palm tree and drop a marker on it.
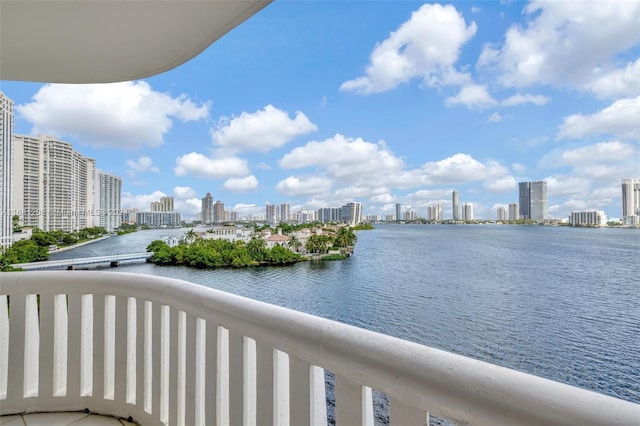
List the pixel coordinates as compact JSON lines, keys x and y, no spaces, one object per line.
{"x":256,"y":248}
{"x":294,"y":243}
{"x":189,"y":236}
{"x":345,"y":237}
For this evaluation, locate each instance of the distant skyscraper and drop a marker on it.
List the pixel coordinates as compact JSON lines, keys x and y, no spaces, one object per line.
{"x":435,"y":212}
{"x":398,"y":212}
{"x":271,"y":213}
{"x":218,"y":212}
{"x":467,"y":211}
{"x":6,"y":164}
{"x":284,"y":212}
{"x":533,"y":200}
{"x":455,"y":207}
{"x":167,"y":204}
{"x":630,"y":197}
{"x":351,"y":213}
{"x":156,"y":206}
{"x":513,"y":211}
{"x":502,"y":213}
{"x":207,"y":209}
{"x":109,"y":189}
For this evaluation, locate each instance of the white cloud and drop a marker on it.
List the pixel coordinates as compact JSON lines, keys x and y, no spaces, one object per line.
{"x":621,"y":119}
{"x":304,"y":186}
{"x":519,"y":168}
{"x":495,"y":118}
{"x":623,"y":82}
{"x":501,"y":184}
{"x":245,"y":210}
{"x":598,"y":153}
{"x":126,"y":115}
{"x":261,"y":131}
{"x":520,"y":99}
{"x":344,"y":158}
{"x":141,"y":165}
{"x":460,"y":168}
{"x":427,"y":46}
{"x":201,"y":166}
{"x":473,"y":96}
{"x":241,"y":184}
{"x":563,"y":42}
{"x":140,"y":201}
{"x":382,"y":198}
{"x":184,"y":192}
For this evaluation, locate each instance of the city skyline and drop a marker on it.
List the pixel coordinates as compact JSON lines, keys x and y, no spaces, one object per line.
{"x":282,"y":119}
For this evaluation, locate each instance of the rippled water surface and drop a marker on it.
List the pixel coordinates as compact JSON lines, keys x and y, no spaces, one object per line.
{"x":561,"y":303}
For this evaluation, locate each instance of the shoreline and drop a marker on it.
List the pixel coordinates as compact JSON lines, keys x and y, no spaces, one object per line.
{"x":84,"y":243}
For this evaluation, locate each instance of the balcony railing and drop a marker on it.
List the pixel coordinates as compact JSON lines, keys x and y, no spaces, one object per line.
{"x":168,"y":352}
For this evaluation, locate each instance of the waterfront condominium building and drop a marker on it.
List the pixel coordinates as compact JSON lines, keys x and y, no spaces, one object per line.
{"x":328,"y":214}
{"x":467,"y":211}
{"x":502,"y":213}
{"x":434,"y":212}
{"x":207,"y":209}
{"x":588,"y":218}
{"x":108,"y":196}
{"x":167,"y":204}
{"x":284,"y":212}
{"x":533,"y":200}
{"x":6,"y":163}
{"x":54,"y":185}
{"x":513,"y":211}
{"x":156,"y":206}
{"x":351,"y":213}
{"x":455,"y":206}
{"x":218,"y":212}
{"x":630,"y":197}
{"x":398,"y":212}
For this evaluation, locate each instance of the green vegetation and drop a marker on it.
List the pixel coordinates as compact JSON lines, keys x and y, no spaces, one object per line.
{"x":614,"y":223}
{"x":213,"y":253}
{"x":127,"y":228}
{"x":363,"y":227}
{"x":333,"y":257}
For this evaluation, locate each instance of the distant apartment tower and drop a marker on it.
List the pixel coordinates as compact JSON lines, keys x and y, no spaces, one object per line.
{"x":398,"y":212}
{"x":158,"y":219}
{"x":533,"y":200}
{"x":513,"y":212}
{"x":351,"y":213}
{"x":108,"y":197}
{"x":328,"y":214}
{"x":502,"y":214}
{"x":207,"y":209}
{"x":284,"y":212}
{"x":218,"y":212}
{"x":54,"y":185}
{"x":271,"y":212}
{"x":630,"y":197}
{"x":167,"y":204}
{"x":156,"y":206}
{"x":588,"y":218}
{"x":467,"y":211}
{"x":434,"y":212}
{"x":455,"y":206}
{"x":6,"y":164}
{"x":409,"y":215}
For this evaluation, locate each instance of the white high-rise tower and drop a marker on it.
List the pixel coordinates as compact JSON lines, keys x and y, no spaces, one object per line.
{"x":6,"y":164}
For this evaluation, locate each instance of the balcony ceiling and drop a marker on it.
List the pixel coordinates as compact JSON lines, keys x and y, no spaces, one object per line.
{"x":94,"y":41}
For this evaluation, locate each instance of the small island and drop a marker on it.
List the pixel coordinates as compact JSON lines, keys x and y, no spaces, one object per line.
{"x":235,"y":247}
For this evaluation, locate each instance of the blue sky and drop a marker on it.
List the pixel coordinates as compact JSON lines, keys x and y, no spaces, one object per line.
{"x":321,"y":103}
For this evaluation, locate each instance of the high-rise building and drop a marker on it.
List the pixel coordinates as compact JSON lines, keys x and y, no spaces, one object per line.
{"x":513,"y":211}
{"x":502,"y":213}
{"x":284,"y":212}
{"x":108,"y":195}
{"x":454,"y":205}
{"x":398,"y":212}
{"x":630,"y":197}
{"x":207,"y":209}
{"x":167,"y":204}
{"x":156,"y":206}
{"x":6,"y":163}
{"x":328,"y":214}
{"x":409,"y":215}
{"x":434,"y":212}
{"x":533,"y":200}
{"x":218,"y":212}
{"x":351,"y":213}
{"x":271,"y":212}
{"x":54,"y":185}
{"x":467,"y":211}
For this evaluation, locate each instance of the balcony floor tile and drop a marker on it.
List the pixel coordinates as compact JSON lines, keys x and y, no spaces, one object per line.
{"x":61,"y":419}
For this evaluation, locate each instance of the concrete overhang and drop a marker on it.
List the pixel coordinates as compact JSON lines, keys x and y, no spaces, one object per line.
{"x":95,"y":41}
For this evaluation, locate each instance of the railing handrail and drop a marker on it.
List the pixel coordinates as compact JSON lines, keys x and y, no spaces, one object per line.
{"x":445,"y":384}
